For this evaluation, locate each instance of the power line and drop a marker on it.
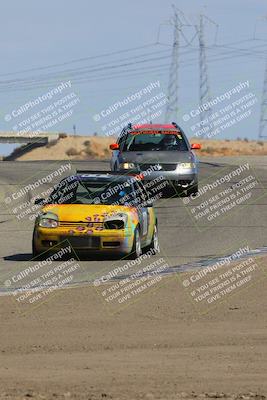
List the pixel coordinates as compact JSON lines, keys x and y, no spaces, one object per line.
{"x":79,"y":60}
{"x":77,"y":78}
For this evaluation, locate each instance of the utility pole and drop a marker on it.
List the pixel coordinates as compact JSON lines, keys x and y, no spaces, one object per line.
{"x":74,"y":129}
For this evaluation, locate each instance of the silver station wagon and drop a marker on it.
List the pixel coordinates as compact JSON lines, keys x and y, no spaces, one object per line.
{"x":161,"y":149}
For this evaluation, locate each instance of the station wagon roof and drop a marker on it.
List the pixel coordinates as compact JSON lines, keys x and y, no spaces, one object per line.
{"x":155,"y":127}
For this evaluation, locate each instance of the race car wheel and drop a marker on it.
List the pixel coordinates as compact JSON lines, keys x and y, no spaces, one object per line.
{"x":192,"y":191}
{"x":35,"y":253}
{"x":136,"y":249}
{"x":154,"y":245}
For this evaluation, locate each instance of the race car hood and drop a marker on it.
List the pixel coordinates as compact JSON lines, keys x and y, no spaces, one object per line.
{"x":154,"y":157}
{"x":84,"y":212}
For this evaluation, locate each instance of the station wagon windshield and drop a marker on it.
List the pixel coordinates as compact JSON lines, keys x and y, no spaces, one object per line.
{"x":155,"y":142}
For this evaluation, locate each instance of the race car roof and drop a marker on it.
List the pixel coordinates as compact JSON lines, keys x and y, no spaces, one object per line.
{"x":155,"y":127}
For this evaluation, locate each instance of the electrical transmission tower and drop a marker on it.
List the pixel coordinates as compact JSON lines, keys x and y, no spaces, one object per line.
{"x":263,"y":114}
{"x":204,"y":88}
{"x":178,"y":21}
{"x":172,"y":105}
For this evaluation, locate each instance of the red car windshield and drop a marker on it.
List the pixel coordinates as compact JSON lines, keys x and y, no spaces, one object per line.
{"x":155,"y":142}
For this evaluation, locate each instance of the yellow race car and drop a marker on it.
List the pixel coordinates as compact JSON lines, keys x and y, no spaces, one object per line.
{"x":97,"y":212}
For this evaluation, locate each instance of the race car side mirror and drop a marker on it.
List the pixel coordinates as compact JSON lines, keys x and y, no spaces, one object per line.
{"x":149,"y":203}
{"x":114,"y":146}
{"x":195,"y":146}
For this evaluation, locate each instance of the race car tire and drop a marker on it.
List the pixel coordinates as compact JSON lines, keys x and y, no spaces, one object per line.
{"x":154,"y":245}
{"x":136,"y":249}
{"x":192,"y":191}
{"x":36,"y":254}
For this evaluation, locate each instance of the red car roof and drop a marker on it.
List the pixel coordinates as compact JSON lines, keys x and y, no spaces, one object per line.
{"x":155,"y":126}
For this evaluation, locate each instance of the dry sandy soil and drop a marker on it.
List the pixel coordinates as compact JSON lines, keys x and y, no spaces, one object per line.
{"x":91,"y":147}
{"x":160,"y":347}
{"x":72,"y":147}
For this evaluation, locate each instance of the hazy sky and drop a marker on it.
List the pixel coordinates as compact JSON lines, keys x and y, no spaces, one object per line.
{"x":35,"y":35}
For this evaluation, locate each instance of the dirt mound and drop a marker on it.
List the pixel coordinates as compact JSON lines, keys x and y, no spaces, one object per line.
{"x":230,"y":147}
{"x":97,"y":147}
{"x":71,"y":147}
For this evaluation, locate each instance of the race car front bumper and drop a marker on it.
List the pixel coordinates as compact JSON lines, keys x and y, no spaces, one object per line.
{"x":180,"y":178}
{"x":105,"y":241}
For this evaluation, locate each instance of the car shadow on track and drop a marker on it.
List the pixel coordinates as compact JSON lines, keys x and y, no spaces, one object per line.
{"x":19,"y":257}
{"x":78,"y":257}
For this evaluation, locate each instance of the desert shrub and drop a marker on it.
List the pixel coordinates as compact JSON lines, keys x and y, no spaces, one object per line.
{"x":89,"y":152}
{"x":246,"y":140}
{"x":87,"y":143}
{"x":209,"y":150}
{"x":260,"y":143}
{"x":72,"y":152}
{"x":51,"y":143}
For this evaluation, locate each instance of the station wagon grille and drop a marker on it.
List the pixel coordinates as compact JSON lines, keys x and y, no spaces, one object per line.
{"x":164,"y":167}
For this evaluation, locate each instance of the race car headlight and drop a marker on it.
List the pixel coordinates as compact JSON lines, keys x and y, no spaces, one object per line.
{"x":186,"y":165}
{"x":116,"y":221}
{"x":127,"y":165}
{"x":48,"y":220}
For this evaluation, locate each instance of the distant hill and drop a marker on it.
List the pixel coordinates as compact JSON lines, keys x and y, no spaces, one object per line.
{"x":68,"y":147}
{"x":97,"y":147}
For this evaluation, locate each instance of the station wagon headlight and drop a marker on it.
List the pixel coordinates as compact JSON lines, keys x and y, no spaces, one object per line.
{"x":127,"y":165}
{"x":48,"y":220}
{"x":186,"y":165}
{"x":116,"y":221}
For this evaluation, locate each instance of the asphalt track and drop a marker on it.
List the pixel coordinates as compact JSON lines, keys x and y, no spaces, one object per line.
{"x":186,"y":241}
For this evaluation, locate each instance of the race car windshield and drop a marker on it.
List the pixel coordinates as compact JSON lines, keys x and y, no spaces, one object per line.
{"x":92,"y":192}
{"x":155,"y":142}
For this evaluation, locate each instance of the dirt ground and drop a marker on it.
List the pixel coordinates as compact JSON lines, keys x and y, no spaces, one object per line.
{"x":159,"y":347}
{"x":97,"y":147}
